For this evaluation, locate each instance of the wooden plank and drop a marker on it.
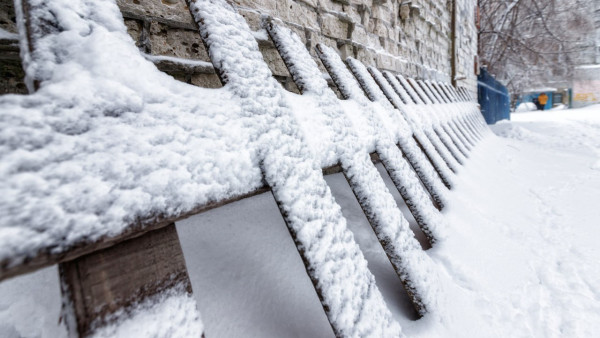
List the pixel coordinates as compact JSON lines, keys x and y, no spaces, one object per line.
{"x":114,"y":279}
{"x":143,"y":225}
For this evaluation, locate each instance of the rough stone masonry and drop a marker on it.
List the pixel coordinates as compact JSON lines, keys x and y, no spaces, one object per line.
{"x":411,"y":37}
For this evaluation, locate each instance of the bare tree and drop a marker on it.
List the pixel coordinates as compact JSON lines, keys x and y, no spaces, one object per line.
{"x":535,"y":42}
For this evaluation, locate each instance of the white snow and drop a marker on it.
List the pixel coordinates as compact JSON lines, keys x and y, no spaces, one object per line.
{"x":549,"y":89}
{"x":103,"y":143}
{"x":196,"y":63}
{"x":520,"y":258}
{"x":171,"y":313}
{"x":525,"y":107}
{"x":588,"y":67}
{"x":6,"y":35}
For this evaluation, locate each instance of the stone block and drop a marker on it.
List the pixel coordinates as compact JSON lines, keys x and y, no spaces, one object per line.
{"x":365,"y":56}
{"x":205,"y":80}
{"x":182,"y":43}
{"x":382,"y":13}
{"x":361,"y":2}
{"x":404,"y":12}
{"x":299,"y":14}
{"x":331,"y":6}
{"x":385,"y":61}
{"x":346,"y":50}
{"x":174,"y":11}
{"x":289,"y":85}
{"x":273,"y":59}
{"x":269,"y":6}
{"x":354,"y":14}
{"x":299,"y":31}
{"x":134,"y":28}
{"x":252,"y":18}
{"x":374,"y":41}
{"x":7,"y":16}
{"x":332,"y":26}
{"x":312,"y":3}
{"x":329,"y":42}
{"x":365,"y":15}
{"x":360,"y":35}
{"x":12,"y":76}
{"x":379,"y":28}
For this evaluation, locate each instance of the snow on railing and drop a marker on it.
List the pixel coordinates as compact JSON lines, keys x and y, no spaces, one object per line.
{"x":104,"y":153}
{"x":441,"y":118}
{"x":451,"y":138}
{"x":454,"y":119}
{"x":398,"y":168}
{"x":333,"y":260}
{"x":409,"y":142}
{"x":392,"y":229}
{"x":435,"y":133}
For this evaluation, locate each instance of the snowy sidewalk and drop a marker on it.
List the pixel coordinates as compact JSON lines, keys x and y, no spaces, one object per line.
{"x":520,"y":258}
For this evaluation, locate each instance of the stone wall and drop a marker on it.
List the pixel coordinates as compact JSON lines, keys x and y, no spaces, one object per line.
{"x":11,"y":71}
{"x":466,"y":40}
{"x":413,"y":38}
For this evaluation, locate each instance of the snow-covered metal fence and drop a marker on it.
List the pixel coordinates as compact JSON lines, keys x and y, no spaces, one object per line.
{"x":102,"y":158}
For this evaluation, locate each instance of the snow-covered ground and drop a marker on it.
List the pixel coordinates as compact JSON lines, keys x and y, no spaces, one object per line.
{"x":520,"y":259}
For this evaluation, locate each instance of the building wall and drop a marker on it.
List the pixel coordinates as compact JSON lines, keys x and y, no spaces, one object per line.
{"x":11,"y":71}
{"x":586,"y":85}
{"x":597,"y":28}
{"x":413,"y":38}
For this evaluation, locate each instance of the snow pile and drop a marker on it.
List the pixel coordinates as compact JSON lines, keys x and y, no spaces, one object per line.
{"x":574,"y":130}
{"x":525,"y":107}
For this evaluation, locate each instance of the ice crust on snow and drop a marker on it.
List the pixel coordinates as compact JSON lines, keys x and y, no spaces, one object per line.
{"x":391,"y":227}
{"x":337,"y":267}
